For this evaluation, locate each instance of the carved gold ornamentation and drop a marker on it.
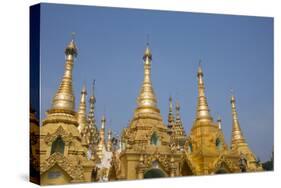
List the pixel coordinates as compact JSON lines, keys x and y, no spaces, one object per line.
{"x":74,"y":171}
{"x":162,"y":159}
{"x":66,"y":137}
{"x":145,"y":144}
{"x":231,"y":166}
{"x":62,"y":121}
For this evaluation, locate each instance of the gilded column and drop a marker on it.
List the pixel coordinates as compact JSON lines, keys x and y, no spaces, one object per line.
{"x":141,"y":167}
{"x":172,"y":167}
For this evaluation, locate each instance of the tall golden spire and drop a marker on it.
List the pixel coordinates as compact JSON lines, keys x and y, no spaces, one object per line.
{"x":101,"y":145}
{"x":238,"y":142}
{"x":81,"y":115}
{"x":109,"y":141}
{"x":178,"y":122}
{"x":103,"y":120}
{"x":171,"y":119}
{"x":91,"y":118}
{"x":146,"y":100}
{"x":203,"y":112}
{"x":178,"y":117}
{"x":64,"y":98}
{"x":237,"y":135}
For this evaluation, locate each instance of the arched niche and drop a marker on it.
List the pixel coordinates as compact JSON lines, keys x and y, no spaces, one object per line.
{"x":154,"y":173}
{"x":221,"y":171}
{"x":222,"y":168}
{"x":155,"y":140}
{"x":58,"y":146}
{"x":219,"y":144}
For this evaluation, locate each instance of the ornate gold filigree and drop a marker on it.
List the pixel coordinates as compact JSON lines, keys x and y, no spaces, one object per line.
{"x":74,"y":171}
{"x":162,"y":159}
{"x":67,"y":138}
{"x":223,"y":160}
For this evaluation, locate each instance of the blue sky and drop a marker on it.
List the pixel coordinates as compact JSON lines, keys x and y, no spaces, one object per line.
{"x":236,"y":52}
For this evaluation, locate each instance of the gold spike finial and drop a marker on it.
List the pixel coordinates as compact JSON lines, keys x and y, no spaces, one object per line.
{"x":93,"y":86}
{"x":92,"y":120}
{"x":179,"y":130}
{"x":73,"y":35}
{"x":71,"y":48}
{"x":109,"y":133}
{"x":109,"y":140}
{"x":147,"y":54}
{"x":219,"y":118}
{"x":83,"y":95}
{"x":101,"y":145}
{"x":203,"y":112}
{"x":232,"y":95}
{"x":237,"y":135}
{"x":171,"y":119}
{"x":103,"y":120}
{"x":81,"y":115}
{"x":200,"y":71}
{"x":84,"y":88}
{"x":178,"y":117}
{"x":170,"y":105}
{"x":93,"y":98}
{"x":177,"y":106}
{"x":219,"y":121}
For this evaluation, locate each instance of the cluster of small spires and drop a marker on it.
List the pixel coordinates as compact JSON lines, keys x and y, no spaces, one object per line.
{"x":175,"y":125}
{"x":91,"y":136}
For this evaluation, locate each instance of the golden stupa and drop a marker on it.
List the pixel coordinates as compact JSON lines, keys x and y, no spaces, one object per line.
{"x":71,"y":148}
{"x":145,"y":144}
{"x":63,"y":156}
